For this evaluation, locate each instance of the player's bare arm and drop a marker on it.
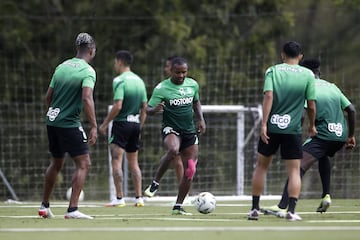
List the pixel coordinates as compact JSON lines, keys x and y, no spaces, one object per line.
{"x":267,"y":104}
{"x":311,"y":112}
{"x":89,"y":109}
{"x":351,"y":113}
{"x":199,"y":115}
{"x":158,"y":108}
{"x":143,"y":114}
{"x":111,"y":115}
{"x":49,"y":96}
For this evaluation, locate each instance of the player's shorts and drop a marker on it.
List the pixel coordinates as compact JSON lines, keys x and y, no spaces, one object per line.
{"x":186,"y":139}
{"x":126,"y":135}
{"x":290,"y":145}
{"x":320,"y":148}
{"x":67,"y":140}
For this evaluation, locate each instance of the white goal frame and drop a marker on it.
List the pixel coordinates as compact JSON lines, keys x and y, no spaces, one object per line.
{"x":242,"y":140}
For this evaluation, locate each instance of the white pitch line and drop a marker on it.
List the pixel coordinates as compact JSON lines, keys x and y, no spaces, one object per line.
{"x":182,"y":229}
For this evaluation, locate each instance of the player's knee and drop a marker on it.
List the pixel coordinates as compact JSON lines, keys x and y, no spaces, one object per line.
{"x":191,"y":169}
{"x":172,"y":153}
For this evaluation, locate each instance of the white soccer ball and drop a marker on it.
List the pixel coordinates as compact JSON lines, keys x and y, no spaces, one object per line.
{"x":68,"y":194}
{"x":205,"y":202}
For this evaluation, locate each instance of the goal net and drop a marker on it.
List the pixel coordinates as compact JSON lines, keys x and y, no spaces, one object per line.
{"x":226,"y":155}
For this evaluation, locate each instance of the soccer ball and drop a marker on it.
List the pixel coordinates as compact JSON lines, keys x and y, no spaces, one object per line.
{"x":205,"y":202}
{"x":68,"y":194}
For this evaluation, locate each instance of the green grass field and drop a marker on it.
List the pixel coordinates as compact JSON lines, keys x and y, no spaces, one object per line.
{"x":228,"y":221}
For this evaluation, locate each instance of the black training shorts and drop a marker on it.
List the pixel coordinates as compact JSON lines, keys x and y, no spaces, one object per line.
{"x":71,"y":140}
{"x":126,"y":135}
{"x":186,"y":139}
{"x":321,"y":148}
{"x":290,"y":145}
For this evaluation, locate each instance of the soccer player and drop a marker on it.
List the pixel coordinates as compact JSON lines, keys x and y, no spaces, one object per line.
{"x":178,"y":99}
{"x":129,"y":114}
{"x":176,"y":163}
{"x":333,"y":135}
{"x":70,"y":90}
{"x":287,"y":86}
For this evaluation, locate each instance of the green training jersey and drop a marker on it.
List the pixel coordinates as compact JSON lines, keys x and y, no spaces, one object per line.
{"x":291,"y":86}
{"x":330,"y":120}
{"x":67,"y":81}
{"x":129,"y":88}
{"x":178,"y":111}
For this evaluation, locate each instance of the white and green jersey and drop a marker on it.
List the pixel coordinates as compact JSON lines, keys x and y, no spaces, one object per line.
{"x":178,"y":111}
{"x":291,"y":86}
{"x":330,"y":121}
{"x":129,"y":88}
{"x":67,"y":81}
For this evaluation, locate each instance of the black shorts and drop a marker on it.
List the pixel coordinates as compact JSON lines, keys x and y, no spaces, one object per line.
{"x":126,"y":135}
{"x":290,"y":145}
{"x":320,"y":148}
{"x":186,"y":139}
{"x":67,"y":140}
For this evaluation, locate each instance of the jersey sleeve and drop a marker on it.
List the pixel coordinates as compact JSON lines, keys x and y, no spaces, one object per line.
{"x":268,"y":84}
{"x":156,"y":96}
{"x":90,"y":78}
{"x":144,"y":99}
{"x":118,"y":88}
{"x":196,"y":94}
{"x":344,"y":101}
{"x":310,"y":89}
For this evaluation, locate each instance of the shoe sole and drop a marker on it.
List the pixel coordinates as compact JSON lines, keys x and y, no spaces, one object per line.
{"x":274,"y":213}
{"x":323,"y":207}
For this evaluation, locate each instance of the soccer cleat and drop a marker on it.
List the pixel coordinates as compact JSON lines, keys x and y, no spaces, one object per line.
{"x":180,"y":211}
{"x":274,"y":210}
{"x":292,"y":217}
{"x":253,"y":215}
{"x":324,"y":204}
{"x":76,"y":215}
{"x":139,"y":202}
{"x":116,"y":203}
{"x":151,"y":189}
{"x":45,"y":212}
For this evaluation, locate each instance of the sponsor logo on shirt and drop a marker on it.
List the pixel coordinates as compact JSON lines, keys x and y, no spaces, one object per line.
{"x":133,"y":118}
{"x":281,"y":121}
{"x":336,"y":128}
{"x":181,"y":101}
{"x":53,"y":113}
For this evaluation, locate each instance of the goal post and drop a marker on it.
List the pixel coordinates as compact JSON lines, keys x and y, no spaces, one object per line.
{"x":242,"y":139}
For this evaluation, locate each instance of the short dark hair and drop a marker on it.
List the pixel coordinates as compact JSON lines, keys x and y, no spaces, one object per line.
{"x":125,"y":56}
{"x":313,"y":64}
{"x":178,"y":61}
{"x":292,"y":49}
{"x":170,"y":58}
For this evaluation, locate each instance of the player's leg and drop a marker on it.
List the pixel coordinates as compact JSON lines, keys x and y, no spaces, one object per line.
{"x":306,"y":162}
{"x":264,"y":159}
{"x":325,"y":176}
{"x":178,"y":167}
{"x":189,"y":156}
{"x":50,"y":179}
{"x":136,"y":177}
{"x":258,"y":178}
{"x":117,"y":154}
{"x":172,"y":145}
{"x":292,"y":151}
{"x":57,"y":161}
{"x":82,"y":164}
